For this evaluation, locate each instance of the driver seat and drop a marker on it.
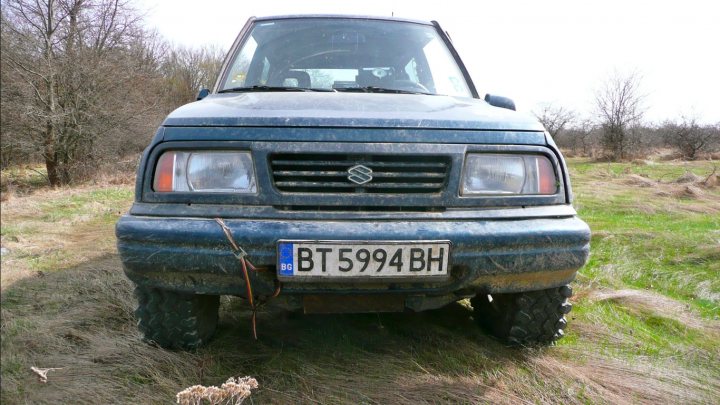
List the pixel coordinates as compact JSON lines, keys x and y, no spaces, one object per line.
{"x":303,"y":78}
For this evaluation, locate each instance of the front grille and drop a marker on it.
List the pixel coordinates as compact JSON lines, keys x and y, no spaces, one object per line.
{"x":328,"y":173}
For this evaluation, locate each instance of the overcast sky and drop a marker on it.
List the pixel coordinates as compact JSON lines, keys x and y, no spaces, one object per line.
{"x":556,"y":51}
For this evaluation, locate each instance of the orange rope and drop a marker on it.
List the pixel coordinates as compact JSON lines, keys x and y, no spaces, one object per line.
{"x":248,"y":286}
{"x":277,"y":290}
{"x":245,"y":263}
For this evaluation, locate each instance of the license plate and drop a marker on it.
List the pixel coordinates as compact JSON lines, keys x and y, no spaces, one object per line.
{"x":367,"y":260}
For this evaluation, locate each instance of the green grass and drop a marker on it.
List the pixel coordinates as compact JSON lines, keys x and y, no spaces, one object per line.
{"x":25,"y":178}
{"x":109,"y":200}
{"x":654,"y":170}
{"x":661,"y":344}
{"x":674,"y":252}
{"x":55,"y":229}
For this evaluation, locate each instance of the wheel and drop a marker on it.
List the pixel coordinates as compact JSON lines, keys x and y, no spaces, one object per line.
{"x":176,"y":320}
{"x":528,"y":318}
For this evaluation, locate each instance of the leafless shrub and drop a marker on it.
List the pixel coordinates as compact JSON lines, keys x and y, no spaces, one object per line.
{"x":690,"y":138}
{"x":554,"y":118}
{"x":619,"y":107}
{"x":187,"y":70}
{"x":581,"y":138}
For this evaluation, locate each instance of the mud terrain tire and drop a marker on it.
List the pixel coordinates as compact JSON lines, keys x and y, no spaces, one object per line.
{"x":175,"y":320}
{"x":525,"y":319}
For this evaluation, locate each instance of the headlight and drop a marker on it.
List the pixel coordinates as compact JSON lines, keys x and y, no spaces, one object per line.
{"x":210,"y":172}
{"x":487,"y":173}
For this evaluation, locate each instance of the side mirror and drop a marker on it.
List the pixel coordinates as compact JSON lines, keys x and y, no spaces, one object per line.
{"x":499,"y":101}
{"x":202,"y":94}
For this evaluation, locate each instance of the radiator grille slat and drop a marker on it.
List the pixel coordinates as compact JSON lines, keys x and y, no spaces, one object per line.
{"x":328,"y":173}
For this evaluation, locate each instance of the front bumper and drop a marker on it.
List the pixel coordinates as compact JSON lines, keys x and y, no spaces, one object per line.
{"x":488,"y":255}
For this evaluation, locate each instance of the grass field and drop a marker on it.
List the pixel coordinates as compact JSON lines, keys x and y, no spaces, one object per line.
{"x":645,"y":326}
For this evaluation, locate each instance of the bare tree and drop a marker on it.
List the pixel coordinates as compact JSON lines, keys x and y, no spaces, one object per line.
{"x":689,"y":137}
{"x":554,"y":118}
{"x":14,"y":122}
{"x":619,"y":108}
{"x":33,"y":56}
{"x":74,"y":59}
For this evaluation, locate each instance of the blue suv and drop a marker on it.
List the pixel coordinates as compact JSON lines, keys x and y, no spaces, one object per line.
{"x":348,"y":164}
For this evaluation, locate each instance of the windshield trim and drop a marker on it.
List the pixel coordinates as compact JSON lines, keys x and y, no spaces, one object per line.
{"x":273,"y":89}
{"x":340,"y":16}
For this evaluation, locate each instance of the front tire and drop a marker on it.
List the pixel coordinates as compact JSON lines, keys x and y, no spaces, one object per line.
{"x":176,"y":320}
{"x":527,"y":318}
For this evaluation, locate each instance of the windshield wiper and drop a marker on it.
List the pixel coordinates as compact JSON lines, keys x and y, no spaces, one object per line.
{"x":268,"y":89}
{"x":373,"y":89}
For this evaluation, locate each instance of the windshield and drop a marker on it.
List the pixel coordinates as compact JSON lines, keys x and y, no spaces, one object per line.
{"x":346,"y":54}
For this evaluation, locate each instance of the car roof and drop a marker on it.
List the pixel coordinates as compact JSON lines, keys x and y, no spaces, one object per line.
{"x":359,"y":17}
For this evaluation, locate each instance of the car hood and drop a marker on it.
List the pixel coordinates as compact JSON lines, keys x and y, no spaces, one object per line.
{"x":362,"y":110}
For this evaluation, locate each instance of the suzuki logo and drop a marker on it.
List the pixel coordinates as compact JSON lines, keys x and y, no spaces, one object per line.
{"x":360,"y":174}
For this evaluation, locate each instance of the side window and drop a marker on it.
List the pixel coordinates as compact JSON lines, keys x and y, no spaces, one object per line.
{"x":446,"y":75}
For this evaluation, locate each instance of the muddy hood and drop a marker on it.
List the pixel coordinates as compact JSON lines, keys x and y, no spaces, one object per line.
{"x":306,"y":109}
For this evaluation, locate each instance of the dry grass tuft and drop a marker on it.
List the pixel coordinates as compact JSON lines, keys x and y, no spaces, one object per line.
{"x":601,"y":235}
{"x":616,"y":381}
{"x":43,"y":372}
{"x":688,"y":177}
{"x":689,"y":191}
{"x":637,"y":180}
{"x":705,"y":290}
{"x":711,"y":181}
{"x":7,"y":193}
{"x":650,"y":302}
{"x":114,"y":178}
{"x":233,"y":392}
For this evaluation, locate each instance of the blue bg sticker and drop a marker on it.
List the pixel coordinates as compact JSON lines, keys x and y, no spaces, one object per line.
{"x":285,"y":261}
